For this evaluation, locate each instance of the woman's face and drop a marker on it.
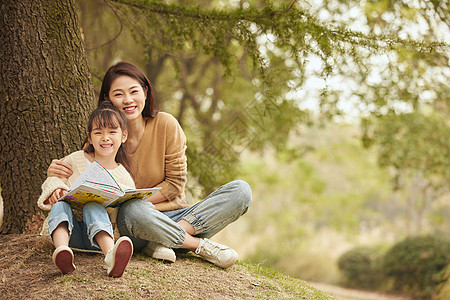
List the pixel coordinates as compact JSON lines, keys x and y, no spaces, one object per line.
{"x":127,"y":95}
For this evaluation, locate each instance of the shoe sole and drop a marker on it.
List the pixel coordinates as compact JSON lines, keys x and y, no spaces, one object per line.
{"x":64,"y":262}
{"x":122,"y":256}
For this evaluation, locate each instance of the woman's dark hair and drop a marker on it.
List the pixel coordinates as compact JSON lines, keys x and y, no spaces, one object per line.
{"x":130,"y":70}
{"x":108,"y":116}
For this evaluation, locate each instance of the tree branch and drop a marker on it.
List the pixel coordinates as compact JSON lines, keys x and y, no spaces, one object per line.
{"x":116,"y":36}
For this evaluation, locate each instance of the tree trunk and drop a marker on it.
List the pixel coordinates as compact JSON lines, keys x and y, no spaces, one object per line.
{"x":46,"y":95}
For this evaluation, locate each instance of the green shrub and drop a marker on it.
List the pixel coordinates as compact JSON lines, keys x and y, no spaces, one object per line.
{"x":443,"y":289}
{"x":361,"y":267}
{"x":415,"y":264}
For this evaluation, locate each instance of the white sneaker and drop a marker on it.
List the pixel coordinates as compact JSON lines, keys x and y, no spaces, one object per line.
{"x":220,"y":255}
{"x":63,"y":259}
{"x":118,"y":257}
{"x":159,"y":251}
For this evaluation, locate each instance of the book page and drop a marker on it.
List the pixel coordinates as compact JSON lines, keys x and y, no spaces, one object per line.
{"x":133,"y":191}
{"x":104,"y":187}
{"x":142,"y":194}
{"x":95,"y":172}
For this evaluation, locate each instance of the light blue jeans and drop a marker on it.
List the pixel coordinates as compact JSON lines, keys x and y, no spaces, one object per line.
{"x":81,"y":233}
{"x":141,"y":222}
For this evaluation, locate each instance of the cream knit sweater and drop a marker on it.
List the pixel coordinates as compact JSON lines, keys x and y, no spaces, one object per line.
{"x":79,"y":163}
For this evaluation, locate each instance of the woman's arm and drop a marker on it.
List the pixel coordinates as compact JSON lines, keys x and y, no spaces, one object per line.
{"x":161,"y":159}
{"x":157,"y":198}
{"x":59,"y":168}
{"x":175,"y":163}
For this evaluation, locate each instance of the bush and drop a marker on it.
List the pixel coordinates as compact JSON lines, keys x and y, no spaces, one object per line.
{"x":415,"y":264}
{"x":361,"y":267}
{"x":443,"y":289}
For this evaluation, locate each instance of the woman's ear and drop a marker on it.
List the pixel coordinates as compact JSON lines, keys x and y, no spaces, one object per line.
{"x":124,"y":136}
{"x":145,"y":92}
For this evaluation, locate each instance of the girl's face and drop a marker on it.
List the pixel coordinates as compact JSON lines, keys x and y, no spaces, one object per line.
{"x":127,"y":95}
{"x":106,"y":140}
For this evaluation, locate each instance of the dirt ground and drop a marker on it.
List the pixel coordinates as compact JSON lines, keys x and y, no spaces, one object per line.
{"x":27,"y":272}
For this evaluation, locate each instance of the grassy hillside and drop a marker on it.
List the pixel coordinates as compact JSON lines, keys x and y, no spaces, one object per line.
{"x":27,"y":272}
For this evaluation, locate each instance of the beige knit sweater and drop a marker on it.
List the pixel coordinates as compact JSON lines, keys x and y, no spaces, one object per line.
{"x":79,"y":163}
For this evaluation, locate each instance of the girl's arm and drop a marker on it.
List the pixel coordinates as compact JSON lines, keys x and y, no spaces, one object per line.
{"x":58,"y":193}
{"x":49,"y":188}
{"x":54,"y":187}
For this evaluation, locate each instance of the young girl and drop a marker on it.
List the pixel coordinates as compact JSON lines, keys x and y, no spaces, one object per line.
{"x":107,"y":133}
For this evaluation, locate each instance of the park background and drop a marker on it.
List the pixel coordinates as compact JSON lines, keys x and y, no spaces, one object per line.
{"x":335,"y":112}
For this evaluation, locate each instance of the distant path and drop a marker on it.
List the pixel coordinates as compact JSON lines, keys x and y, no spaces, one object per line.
{"x":351,"y":294}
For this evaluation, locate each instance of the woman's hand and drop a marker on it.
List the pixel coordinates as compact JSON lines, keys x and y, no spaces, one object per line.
{"x":59,"y":168}
{"x":157,"y":198}
{"x":58,"y":193}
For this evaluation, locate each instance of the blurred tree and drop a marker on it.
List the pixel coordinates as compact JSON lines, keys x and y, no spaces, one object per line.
{"x":402,"y":95}
{"x":409,"y":100}
{"x":415,"y":146}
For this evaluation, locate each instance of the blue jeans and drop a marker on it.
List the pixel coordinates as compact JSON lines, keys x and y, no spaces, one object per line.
{"x":81,"y":233}
{"x":140,"y":221}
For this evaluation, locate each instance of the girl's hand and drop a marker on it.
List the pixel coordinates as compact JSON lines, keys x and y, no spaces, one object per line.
{"x":59,"y":168}
{"x":58,"y":193}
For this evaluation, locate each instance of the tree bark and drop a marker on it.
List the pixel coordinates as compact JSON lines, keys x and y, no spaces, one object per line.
{"x":46,"y":95}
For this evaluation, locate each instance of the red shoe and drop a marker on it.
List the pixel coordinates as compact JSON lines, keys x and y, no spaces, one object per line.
{"x":63,"y":259}
{"x":118,"y":257}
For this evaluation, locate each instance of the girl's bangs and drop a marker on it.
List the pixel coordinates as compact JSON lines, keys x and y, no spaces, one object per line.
{"x":107,"y":119}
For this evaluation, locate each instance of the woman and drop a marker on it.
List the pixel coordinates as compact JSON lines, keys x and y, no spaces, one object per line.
{"x":157,"y":146}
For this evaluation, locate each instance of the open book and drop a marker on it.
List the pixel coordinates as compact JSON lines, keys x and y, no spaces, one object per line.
{"x":97,"y":184}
